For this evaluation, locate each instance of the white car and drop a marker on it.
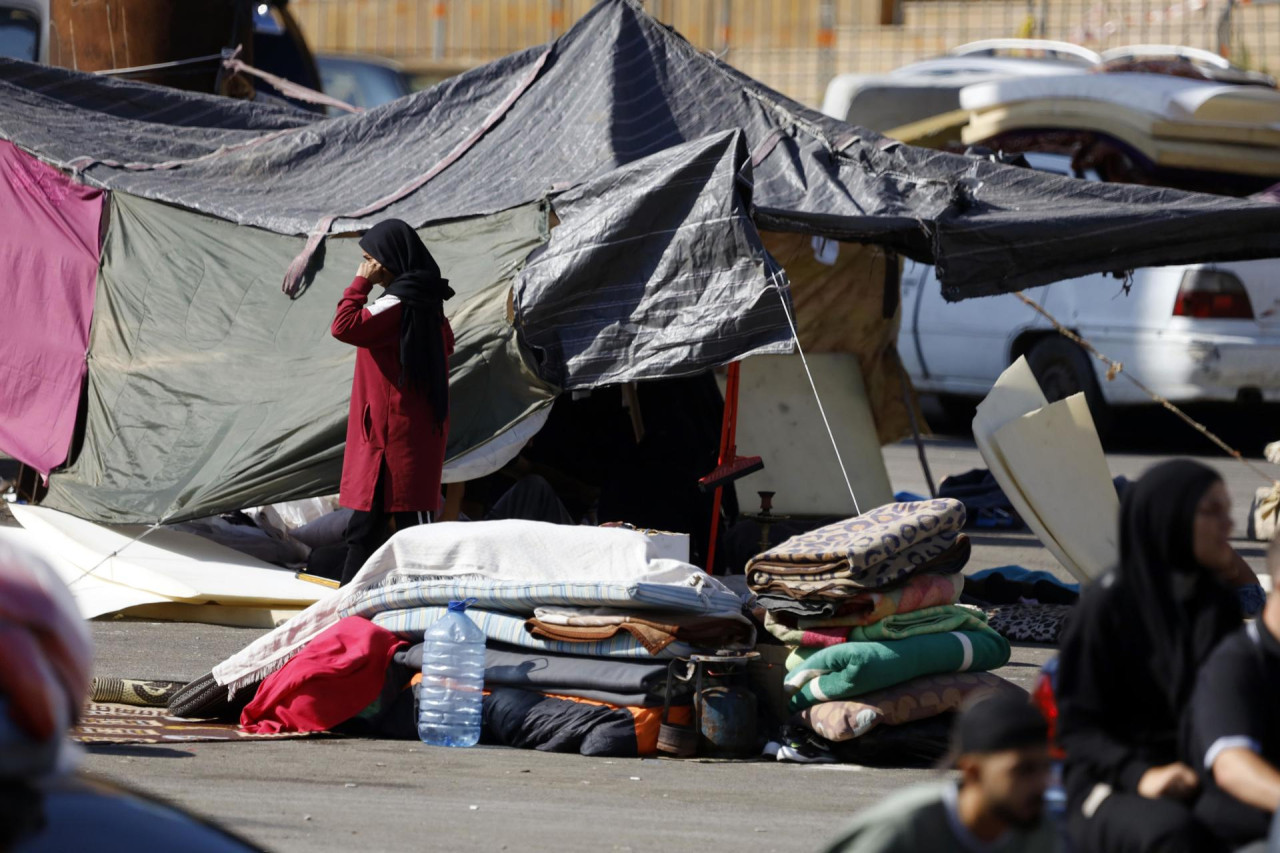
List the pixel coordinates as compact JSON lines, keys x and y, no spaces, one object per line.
{"x":1191,"y":333}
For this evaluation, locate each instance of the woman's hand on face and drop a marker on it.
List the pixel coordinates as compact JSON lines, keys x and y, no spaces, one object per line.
{"x":370,"y":270}
{"x":1176,"y":781}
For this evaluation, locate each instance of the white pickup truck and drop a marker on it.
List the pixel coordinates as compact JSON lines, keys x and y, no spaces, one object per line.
{"x":1199,"y":332}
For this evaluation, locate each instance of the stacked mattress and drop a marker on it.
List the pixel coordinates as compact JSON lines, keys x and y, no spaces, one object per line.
{"x":586,"y":620}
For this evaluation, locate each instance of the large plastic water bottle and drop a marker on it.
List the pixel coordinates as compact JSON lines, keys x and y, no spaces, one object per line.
{"x":451,"y":696}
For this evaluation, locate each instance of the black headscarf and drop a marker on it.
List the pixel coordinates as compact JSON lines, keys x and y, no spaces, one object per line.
{"x":416,"y":282}
{"x":997,"y":722}
{"x":1182,"y":605}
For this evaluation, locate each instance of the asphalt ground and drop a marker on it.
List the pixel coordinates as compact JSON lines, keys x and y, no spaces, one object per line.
{"x":342,"y":794}
{"x":330,"y":794}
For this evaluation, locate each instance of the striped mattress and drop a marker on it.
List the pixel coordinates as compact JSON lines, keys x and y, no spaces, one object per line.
{"x":508,"y":628}
{"x":524,"y":597}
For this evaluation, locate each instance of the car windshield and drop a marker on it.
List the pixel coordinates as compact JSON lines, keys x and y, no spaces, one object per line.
{"x":361,"y":84}
{"x":19,"y":35}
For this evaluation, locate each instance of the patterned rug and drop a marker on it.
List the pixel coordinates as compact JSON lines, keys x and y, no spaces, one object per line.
{"x":111,"y":723}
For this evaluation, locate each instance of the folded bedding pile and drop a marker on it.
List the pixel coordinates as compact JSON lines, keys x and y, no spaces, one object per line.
{"x":581,"y":625}
{"x":562,"y":703}
{"x":869,"y":609}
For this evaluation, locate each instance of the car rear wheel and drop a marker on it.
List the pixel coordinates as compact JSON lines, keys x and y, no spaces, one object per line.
{"x":1062,"y":369}
{"x":952,"y":415}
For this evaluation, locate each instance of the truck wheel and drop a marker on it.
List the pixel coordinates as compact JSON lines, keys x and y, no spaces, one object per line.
{"x":1063,"y":369}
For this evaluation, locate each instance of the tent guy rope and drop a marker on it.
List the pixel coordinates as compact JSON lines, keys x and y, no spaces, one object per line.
{"x":84,"y":573}
{"x":774,"y":280}
{"x":160,"y":66}
{"x":233,"y":63}
{"x":1116,"y":368}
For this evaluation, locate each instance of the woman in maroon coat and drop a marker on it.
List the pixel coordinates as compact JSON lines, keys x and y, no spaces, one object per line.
{"x":399,"y":418}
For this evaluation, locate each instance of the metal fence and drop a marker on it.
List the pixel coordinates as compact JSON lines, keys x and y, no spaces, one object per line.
{"x":796,"y":46}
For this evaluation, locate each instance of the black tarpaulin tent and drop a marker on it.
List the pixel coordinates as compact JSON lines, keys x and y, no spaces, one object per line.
{"x":614,"y":89}
{"x":209,"y":390}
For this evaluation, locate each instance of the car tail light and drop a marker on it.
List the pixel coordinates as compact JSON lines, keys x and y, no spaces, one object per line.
{"x":1212,"y":294}
{"x":1042,"y":696}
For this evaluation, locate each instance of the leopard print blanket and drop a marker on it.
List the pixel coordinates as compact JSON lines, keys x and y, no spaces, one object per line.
{"x":1030,"y":623}
{"x":870,"y":551}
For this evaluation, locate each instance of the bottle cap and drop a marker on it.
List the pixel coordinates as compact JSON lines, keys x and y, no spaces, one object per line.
{"x":461,"y":606}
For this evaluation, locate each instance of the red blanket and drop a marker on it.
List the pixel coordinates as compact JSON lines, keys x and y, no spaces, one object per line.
{"x":335,"y":677}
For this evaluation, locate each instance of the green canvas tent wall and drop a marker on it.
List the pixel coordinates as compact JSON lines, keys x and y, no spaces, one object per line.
{"x":209,"y":390}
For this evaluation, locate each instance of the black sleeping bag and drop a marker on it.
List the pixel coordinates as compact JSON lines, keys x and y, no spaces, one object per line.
{"x":516,"y":718}
{"x":527,"y":720}
{"x":920,"y":744}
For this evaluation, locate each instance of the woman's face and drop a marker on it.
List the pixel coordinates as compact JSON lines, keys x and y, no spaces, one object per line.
{"x":381,"y":275}
{"x":1211,"y":535}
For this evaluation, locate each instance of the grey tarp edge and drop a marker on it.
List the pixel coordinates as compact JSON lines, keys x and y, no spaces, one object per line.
{"x":619,"y":87}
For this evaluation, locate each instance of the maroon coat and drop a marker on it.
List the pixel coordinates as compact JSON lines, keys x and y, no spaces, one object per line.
{"x":386,"y":424}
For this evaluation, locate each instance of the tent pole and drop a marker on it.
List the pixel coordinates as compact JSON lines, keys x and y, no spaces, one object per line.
{"x":915,"y":430}
{"x":728,"y":448}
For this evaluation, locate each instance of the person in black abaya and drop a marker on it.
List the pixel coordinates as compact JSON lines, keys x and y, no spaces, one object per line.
{"x":1129,"y":659}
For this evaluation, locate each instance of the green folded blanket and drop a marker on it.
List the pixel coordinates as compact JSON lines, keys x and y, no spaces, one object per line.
{"x":898,"y":626}
{"x":852,"y":669}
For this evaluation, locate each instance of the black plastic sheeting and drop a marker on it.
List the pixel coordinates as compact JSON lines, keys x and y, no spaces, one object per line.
{"x":616,"y":88}
{"x":657,"y":271}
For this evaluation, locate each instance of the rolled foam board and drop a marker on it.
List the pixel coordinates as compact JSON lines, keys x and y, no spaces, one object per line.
{"x":1057,"y":460}
{"x":166,"y":563}
{"x":1016,"y":393}
{"x":93,"y":596}
{"x":214,"y":614}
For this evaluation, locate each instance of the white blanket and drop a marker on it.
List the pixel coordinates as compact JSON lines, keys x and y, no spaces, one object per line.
{"x":501,"y":551}
{"x":530,"y":551}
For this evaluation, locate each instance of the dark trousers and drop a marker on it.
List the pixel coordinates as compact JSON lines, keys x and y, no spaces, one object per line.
{"x":368,"y":531}
{"x":1271,"y":845}
{"x":1130,"y":823}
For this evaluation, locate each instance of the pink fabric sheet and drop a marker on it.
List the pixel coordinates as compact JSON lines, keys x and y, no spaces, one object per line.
{"x":49,"y":250}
